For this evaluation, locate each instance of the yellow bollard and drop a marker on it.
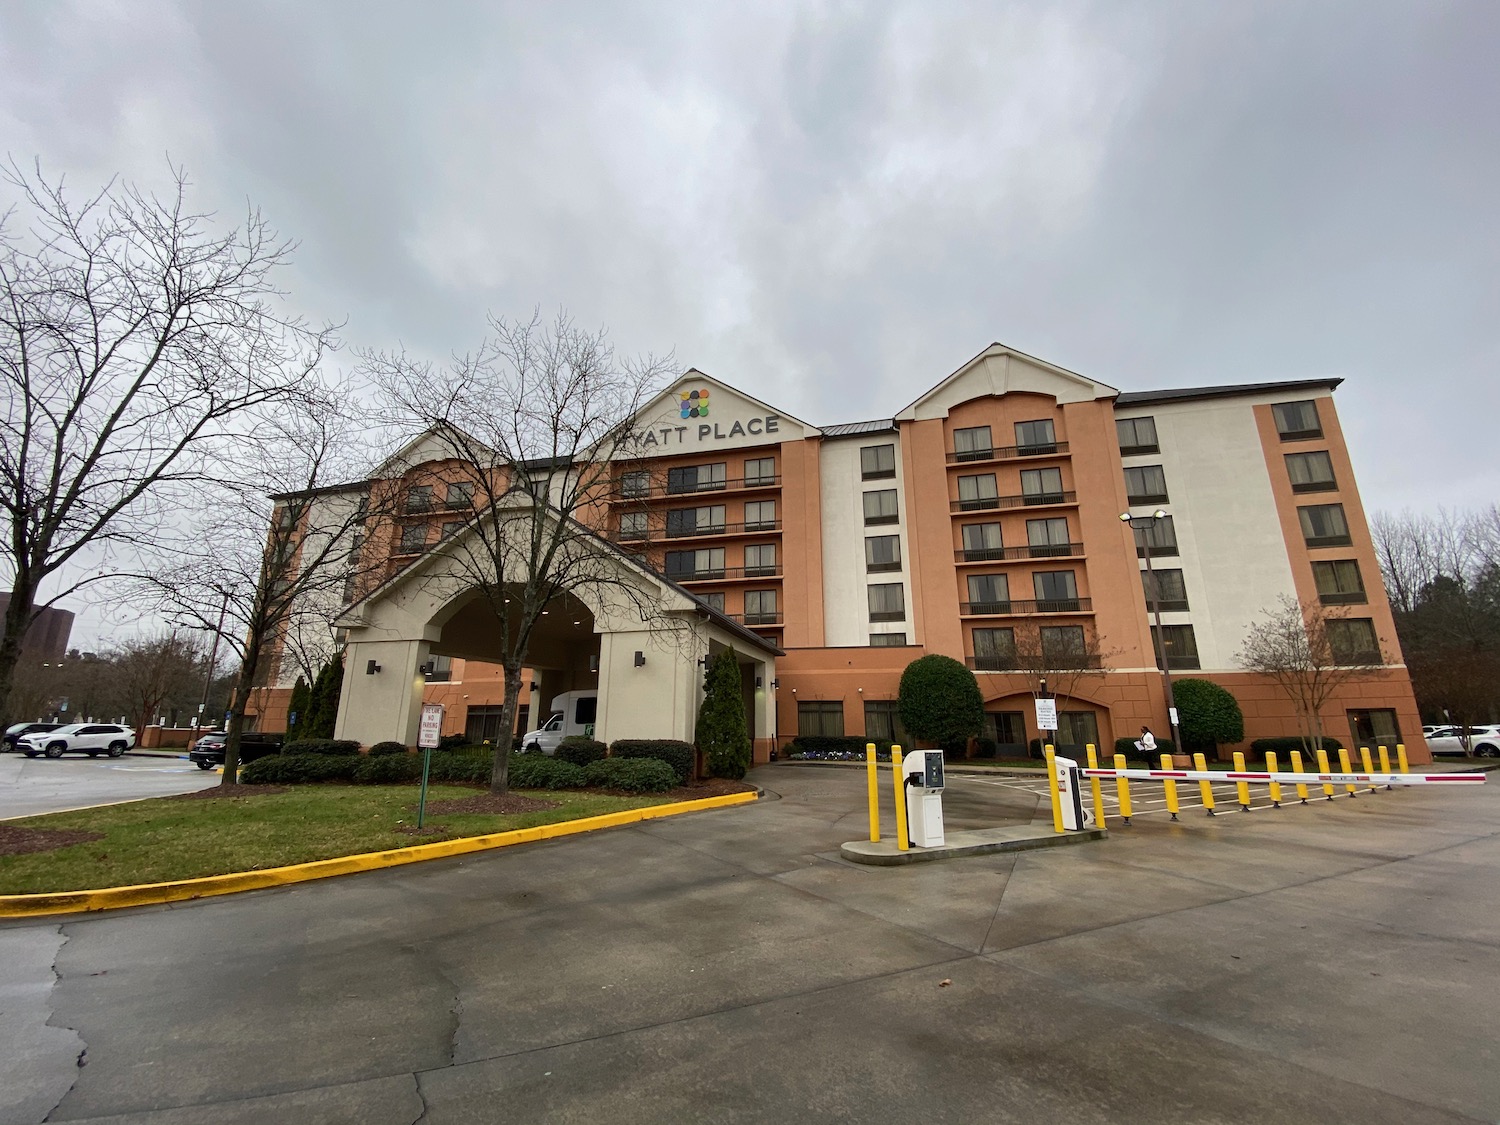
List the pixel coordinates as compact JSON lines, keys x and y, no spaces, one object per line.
{"x":1364,"y":757}
{"x":1124,"y":787}
{"x":1347,"y":767}
{"x":902,"y":843}
{"x":1324,"y":767}
{"x":1275,"y":785}
{"x":1205,"y":788}
{"x":1385,"y":762}
{"x":1057,"y":822}
{"x":1169,"y":786}
{"x":1297,"y":768}
{"x":1242,"y":788}
{"x":1401,"y":757}
{"x":872,"y":774}
{"x":1098,"y":789}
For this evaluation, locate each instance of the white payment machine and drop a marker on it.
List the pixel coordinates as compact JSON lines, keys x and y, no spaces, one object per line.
{"x":1075,"y":813}
{"x":923,"y":772}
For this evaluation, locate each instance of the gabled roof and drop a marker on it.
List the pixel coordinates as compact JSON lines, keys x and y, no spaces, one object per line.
{"x":1090,"y":388}
{"x":693,"y":374}
{"x":1180,"y":394}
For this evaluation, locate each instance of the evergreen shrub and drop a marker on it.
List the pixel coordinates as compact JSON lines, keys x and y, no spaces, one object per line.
{"x":529,"y":771}
{"x":634,"y":775}
{"x":678,"y":755}
{"x":382,"y":748}
{"x":580,"y":750}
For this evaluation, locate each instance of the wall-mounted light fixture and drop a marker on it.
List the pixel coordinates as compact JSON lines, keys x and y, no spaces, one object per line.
{"x":758,"y":683}
{"x":593,"y":662}
{"x":640,"y":659}
{"x":371,"y":668}
{"x":427,"y":669}
{"x":775,"y":683}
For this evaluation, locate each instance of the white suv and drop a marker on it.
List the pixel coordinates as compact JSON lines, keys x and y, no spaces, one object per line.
{"x":92,"y":739}
{"x":1483,"y":741}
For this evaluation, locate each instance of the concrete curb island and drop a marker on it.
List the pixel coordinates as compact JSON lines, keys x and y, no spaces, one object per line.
{"x":154,"y":894}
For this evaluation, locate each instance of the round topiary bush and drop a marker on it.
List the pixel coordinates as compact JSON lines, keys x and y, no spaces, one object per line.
{"x":939,"y":701}
{"x":634,"y":775}
{"x":380,"y":749}
{"x":580,"y":750}
{"x":1207,"y":713}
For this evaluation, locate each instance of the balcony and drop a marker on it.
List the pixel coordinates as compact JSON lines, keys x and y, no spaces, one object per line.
{"x":623,"y":493}
{"x":755,"y":618}
{"x":715,"y":530}
{"x":726,"y":574}
{"x":1019,"y":607}
{"x":1139,"y":450}
{"x":1008,"y":452}
{"x":1029,"y":500}
{"x":999,"y":554}
{"x":1012,"y":664}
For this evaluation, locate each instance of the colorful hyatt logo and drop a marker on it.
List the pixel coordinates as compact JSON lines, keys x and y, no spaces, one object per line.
{"x":695,"y":403}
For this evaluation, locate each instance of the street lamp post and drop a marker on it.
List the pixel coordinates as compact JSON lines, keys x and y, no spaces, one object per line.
{"x":1145,"y":523}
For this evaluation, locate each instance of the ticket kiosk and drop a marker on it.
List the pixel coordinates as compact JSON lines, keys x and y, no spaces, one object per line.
{"x":923,"y":770}
{"x":1075,"y":813}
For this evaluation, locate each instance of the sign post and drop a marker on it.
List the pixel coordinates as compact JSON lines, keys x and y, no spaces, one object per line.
{"x":429,"y":734}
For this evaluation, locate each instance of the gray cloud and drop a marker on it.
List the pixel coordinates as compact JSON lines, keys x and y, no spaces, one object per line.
{"x":834,"y":205}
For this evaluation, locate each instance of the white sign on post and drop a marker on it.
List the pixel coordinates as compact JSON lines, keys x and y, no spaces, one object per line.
{"x":430,"y":733}
{"x":1046,"y":714}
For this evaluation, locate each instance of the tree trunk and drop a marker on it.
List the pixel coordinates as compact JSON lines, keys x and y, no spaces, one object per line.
{"x":500,"y":775}
{"x":244,"y":685}
{"x":17,"y":619}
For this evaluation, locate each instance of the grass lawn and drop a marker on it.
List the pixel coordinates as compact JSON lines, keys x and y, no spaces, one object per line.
{"x":167,"y":838}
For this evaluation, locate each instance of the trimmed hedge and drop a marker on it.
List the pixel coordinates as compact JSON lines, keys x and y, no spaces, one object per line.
{"x":678,"y":755}
{"x":388,"y":769}
{"x":1126,"y":746}
{"x":334,"y":746}
{"x":824,"y":743}
{"x":295,"y":769}
{"x":530,"y":771}
{"x":634,"y":775}
{"x":1285,"y":745}
{"x":382,"y":748}
{"x":464,"y":768}
{"x":580,"y":750}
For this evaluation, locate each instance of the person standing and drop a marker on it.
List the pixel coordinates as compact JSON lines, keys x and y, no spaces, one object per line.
{"x":1147,"y":747}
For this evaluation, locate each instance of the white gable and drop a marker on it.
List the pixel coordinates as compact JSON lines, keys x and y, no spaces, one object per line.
{"x":997,"y":371}
{"x":699,"y":414}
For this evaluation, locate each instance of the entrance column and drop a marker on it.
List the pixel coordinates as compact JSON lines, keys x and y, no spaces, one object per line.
{"x":382,"y":696}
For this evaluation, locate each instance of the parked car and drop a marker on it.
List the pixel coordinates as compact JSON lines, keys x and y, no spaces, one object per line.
{"x":12,"y":733}
{"x":208,"y":751}
{"x":573,"y":713}
{"x":92,"y":739}
{"x":1484,"y":741}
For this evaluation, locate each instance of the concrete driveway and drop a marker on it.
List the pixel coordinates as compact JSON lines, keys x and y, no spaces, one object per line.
{"x":1326,"y":963}
{"x":31,"y":786}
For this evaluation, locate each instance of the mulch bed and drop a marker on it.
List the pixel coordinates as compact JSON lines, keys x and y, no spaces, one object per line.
{"x":215,"y":791}
{"x":489,"y":803}
{"x":21,"y":841}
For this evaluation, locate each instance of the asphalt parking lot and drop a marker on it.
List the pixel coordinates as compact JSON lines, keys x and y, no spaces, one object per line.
{"x":31,"y":786}
{"x":1321,"y":963}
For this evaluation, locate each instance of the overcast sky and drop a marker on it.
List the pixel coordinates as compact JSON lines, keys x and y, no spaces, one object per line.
{"x":832,"y":206}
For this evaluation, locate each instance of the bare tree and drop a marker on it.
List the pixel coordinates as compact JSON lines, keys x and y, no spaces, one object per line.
{"x":156,"y":671}
{"x":1297,"y":645}
{"x":526,"y":430}
{"x":285,"y":552}
{"x":133,"y":340}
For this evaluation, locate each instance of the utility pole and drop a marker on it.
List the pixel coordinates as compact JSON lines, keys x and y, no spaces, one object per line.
{"x":213,"y":660}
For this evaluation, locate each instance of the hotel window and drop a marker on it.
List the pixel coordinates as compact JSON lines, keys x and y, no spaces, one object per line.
{"x":1374,"y":728}
{"x":760,"y":607}
{"x":1165,"y":590}
{"x":883,"y":721}
{"x":696,"y":478}
{"x":1146,"y":484}
{"x":1077,"y":728}
{"x":633,"y":525}
{"x":760,"y":560}
{"x":880,"y":507}
{"x":1324,"y":525}
{"x":1339,"y":582}
{"x":1049,"y":537}
{"x":419,"y":498}
{"x":1061,"y":643}
{"x":635,"y":484}
{"x":887,"y":640}
{"x":1036,"y":437}
{"x":1297,"y":420}
{"x":877,"y":462}
{"x":714,"y":601}
{"x":882,"y":552}
{"x":1042,"y":486}
{"x":1056,"y":590}
{"x":1352,"y":640}
{"x":977,"y":492}
{"x":887,"y":602}
{"x":760,"y":515}
{"x":760,"y":471}
{"x":413,"y":538}
{"x":1311,"y":472}
{"x":695,"y":521}
{"x":820,"y":717}
{"x":994,"y":649}
{"x":452,"y":528}
{"x":1179,"y":644}
{"x":1008,"y":729}
{"x":1136,"y":435}
{"x":989,"y":593}
{"x":460,"y":494}
{"x":1160,"y":536}
{"x":982,"y":541}
{"x":707,"y":563}
{"x":972,"y":443}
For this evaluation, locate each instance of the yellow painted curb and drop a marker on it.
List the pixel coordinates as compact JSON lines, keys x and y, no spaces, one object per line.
{"x":150,"y":894}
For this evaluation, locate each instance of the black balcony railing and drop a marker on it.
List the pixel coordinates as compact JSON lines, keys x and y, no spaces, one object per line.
{"x":1168,"y":605}
{"x":1315,"y":486}
{"x":1353,"y":597}
{"x":752,"y":527}
{"x":1147,"y":497}
{"x":1010,"y":663}
{"x":756,"y":618}
{"x":1008,"y":452}
{"x":1317,"y":541}
{"x":998,"y":554}
{"x":645,"y":491}
{"x":888,"y":615}
{"x":1027,"y":500}
{"x":1137,"y":450}
{"x":1162,"y":551}
{"x":726,"y":573}
{"x":1017,"y":607}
